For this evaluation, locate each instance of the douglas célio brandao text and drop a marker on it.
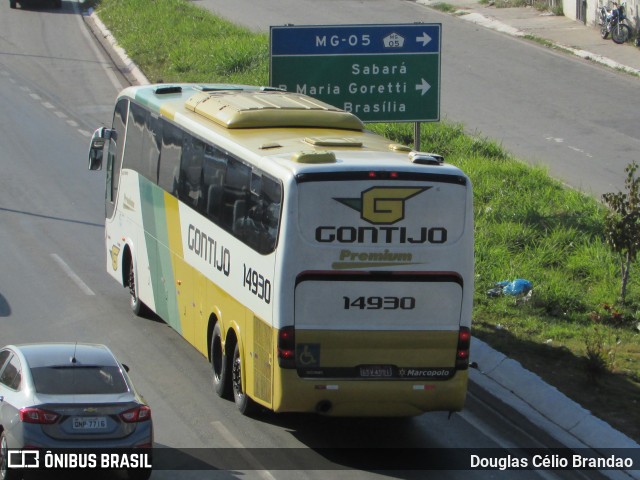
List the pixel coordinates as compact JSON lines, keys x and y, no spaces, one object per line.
{"x":549,"y":461}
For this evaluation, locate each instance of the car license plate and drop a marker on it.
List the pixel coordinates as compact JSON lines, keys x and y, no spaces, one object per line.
{"x":89,"y":423}
{"x":376,"y":371}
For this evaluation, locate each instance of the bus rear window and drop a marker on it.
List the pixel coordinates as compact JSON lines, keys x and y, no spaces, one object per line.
{"x":382,"y":213}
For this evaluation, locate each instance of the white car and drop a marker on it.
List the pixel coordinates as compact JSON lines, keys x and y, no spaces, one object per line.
{"x":68,"y":395}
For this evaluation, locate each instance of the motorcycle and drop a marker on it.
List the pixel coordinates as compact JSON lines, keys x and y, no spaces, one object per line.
{"x":611,"y":22}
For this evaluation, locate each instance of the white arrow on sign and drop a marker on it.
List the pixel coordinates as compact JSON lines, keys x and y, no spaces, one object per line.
{"x":424,"y":39}
{"x":424,"y":87}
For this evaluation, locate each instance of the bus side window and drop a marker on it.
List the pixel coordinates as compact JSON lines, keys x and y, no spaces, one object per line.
{"x":215,"y":164}
{"x":114,"y":154}
{"x":272,"y":197}
{"x":258,"y":227}
{"x":151,"y":147}
{"x":170,"y":153}
{"x":236,"y":191}
{"x":144,"y":133}
{"x":135,"y":135}
{"x":190,"y":187}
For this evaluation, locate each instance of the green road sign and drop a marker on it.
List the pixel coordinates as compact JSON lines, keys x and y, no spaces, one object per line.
{"x":378,"y":72}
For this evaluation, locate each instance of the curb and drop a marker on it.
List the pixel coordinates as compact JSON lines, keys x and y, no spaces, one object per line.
{"x":129,"y":68}
{"x":559,"y":416}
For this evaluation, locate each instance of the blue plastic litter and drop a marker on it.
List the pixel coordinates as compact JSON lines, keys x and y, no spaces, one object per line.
{"x":517,"y":287}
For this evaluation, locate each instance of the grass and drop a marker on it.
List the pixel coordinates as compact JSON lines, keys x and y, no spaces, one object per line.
{"x":444,"y":7}
{"x":528,"y":225}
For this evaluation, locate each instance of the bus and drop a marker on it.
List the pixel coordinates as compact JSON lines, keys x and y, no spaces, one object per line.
{"x":318,"y":266}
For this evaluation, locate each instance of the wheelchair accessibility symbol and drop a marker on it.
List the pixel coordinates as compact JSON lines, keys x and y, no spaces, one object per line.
{"x":308,"y":354}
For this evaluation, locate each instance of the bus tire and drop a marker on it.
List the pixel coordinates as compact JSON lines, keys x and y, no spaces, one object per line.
{"x":242,"y":400}
{"x":220,"y":365}
{"x":137,"y":306}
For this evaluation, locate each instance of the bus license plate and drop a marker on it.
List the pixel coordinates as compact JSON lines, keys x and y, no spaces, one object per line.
{"x":89,"y":423}
{"x":376,"y":371}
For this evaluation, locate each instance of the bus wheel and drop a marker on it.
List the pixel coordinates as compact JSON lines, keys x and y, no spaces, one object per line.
{"x":220,"y":365}
{"x":137,"y":306}
{"x":243,"y":402}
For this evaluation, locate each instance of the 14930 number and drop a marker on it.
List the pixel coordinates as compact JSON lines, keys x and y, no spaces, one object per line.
{"x":380,"y":303}
{"x":257,"y":284}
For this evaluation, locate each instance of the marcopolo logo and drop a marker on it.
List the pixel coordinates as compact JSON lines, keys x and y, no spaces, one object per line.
{"x":382,"y":205}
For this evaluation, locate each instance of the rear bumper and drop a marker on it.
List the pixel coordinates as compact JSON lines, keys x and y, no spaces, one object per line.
{"x":369,"y":398}
{"x":31,"y":435}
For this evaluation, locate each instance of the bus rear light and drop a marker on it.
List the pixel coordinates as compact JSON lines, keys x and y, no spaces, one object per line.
{"x":464,"y":342}
{"x":287,"y":347}
{"x":383,"y":175}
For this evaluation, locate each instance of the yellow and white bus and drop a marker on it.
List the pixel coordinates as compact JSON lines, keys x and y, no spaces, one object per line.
{"x":318,"y":266}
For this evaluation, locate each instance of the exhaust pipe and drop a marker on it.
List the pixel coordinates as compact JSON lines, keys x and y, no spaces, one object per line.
{"x":324,"y":406}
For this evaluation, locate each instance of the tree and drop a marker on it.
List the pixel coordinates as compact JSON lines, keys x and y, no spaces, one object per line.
{"x":622,"y":224}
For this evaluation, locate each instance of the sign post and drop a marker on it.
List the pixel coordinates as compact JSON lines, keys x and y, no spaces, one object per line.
{"x":381,"y":73}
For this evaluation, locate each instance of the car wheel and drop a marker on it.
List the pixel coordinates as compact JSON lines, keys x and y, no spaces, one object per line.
{"x":243,"y":402}
{"x":6,"y":473}
{"x":137,"y":306}
{"x":220,"y":365}
{"x":57,"y":3}
{"x":12,"y":3}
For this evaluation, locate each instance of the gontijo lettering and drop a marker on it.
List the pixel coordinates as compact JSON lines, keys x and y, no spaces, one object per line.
{"x":207,"y":248}
{"x":377,"y":235}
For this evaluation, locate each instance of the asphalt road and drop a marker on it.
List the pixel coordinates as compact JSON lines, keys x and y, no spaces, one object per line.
{"x":56,"y":85}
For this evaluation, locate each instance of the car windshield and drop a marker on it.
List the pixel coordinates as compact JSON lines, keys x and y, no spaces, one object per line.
{"x":78,"y":380}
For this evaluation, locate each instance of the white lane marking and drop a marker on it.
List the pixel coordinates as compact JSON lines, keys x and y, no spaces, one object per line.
{"x":228,"y":437}
{"x":72,"y":123}
{"x":233,"y":442}
{"x":35,"y":96}
{"x":85,"y":133}
{"x":48,"y":105}
{"x":72,"y":275}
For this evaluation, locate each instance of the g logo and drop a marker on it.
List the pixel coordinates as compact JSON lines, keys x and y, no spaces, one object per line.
{"x":382,"y":205}
{"x":115,"y":251}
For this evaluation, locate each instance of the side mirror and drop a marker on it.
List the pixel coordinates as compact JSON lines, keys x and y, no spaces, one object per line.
{"x":126,"y":367}
{"x":96,"y":148}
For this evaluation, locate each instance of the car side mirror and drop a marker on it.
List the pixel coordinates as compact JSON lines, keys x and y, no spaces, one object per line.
{"x":126,"y":367}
